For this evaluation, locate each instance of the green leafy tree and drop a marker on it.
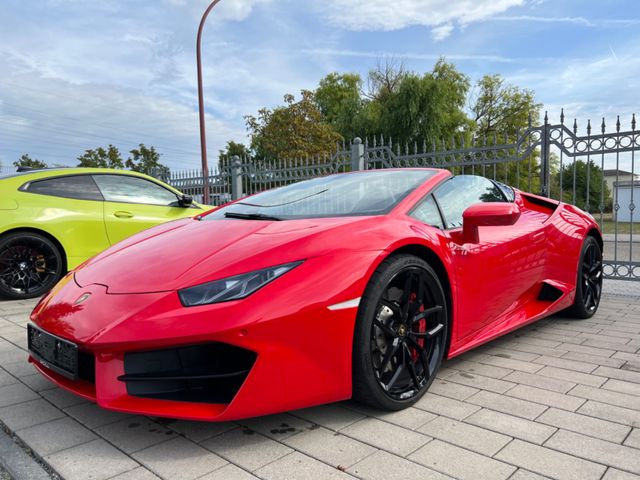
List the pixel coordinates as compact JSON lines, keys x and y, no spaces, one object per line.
{"x":146,"y":160}
{"x":339,"y":100}
{"x":587,"y":177}
{"x":26,"y":161}
{"x":101,"y":158}
{"x":501,"y":108}
{"x":293,"y":131}
{"x":427,"y":108}
{"x":231,"y":150}
{"x":500,"y":112}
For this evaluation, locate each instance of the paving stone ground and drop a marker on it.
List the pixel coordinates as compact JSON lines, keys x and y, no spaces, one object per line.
{"x":557,"y":399}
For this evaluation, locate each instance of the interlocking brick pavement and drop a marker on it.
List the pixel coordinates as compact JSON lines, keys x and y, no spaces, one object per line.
{"x":557,"y":399}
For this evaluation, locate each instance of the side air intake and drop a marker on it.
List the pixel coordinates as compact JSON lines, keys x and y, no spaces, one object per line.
{"x":549,"y":293}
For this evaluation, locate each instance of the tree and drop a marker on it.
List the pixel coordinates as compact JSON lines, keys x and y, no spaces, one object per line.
{"x":501,"y":108}
{"x":101,"y":158}
{"x":427,"y":109}
{"x":146,"y":160}
{"x":293,"y":131}
{"x":385,"y":79}
{"x":587,"y":176}
{"x":26,"y":161}
{"x":231,"y":150}
{"x":501,"y":112}
{"x":338,"y":99}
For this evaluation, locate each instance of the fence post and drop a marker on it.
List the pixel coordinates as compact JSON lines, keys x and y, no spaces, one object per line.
{"x":236,"y":178}
{"x":544,"y":158}
{"x":357,"y":155}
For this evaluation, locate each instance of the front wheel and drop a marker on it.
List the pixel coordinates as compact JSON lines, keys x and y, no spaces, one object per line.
{"x":30,"y":265}
{"x":589,"y":281}
{"x":400,"y":335}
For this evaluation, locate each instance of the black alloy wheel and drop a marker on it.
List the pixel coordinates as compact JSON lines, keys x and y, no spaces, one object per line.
{"x":401,"y":334}
{"x":30,"y":265}
{"x":589,"y":281}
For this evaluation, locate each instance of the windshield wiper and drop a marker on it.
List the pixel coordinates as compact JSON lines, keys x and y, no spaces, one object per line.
{"x":251,"y":216}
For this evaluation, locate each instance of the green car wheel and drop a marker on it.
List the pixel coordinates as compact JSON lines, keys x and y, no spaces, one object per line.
{"x":30,"y":265}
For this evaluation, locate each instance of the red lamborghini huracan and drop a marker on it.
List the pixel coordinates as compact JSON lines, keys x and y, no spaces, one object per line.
{"x":351,"y":285}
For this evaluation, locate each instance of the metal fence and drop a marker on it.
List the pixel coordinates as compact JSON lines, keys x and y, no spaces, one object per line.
{"x":593,"y":170}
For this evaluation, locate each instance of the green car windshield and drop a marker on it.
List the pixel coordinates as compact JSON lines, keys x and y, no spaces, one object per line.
{"x":374,"y":192}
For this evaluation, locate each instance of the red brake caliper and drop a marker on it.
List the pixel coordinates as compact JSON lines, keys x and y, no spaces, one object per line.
{"x":422,"y":327}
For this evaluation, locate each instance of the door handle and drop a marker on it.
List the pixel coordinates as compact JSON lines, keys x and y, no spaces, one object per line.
{"x":123,"y":214}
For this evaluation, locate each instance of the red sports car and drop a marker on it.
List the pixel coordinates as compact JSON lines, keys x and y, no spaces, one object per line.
{"x":351,"y":285}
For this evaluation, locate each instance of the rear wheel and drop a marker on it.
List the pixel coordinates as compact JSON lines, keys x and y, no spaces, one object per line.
{"x":589,"y":282}
{"x":400,"y":335}
{"x":30,"y":265}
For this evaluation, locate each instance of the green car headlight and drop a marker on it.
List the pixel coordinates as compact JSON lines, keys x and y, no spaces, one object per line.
{"x":233,"y":288}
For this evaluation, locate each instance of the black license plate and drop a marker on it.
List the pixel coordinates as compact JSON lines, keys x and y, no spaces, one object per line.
{"x":53,"y":352}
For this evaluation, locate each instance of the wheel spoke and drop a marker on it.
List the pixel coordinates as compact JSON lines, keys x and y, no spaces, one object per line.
{"x":589,"y":298}
{"x":395,"y":377}
{"x":406,"y":296}
{"x":416,"y":345}
{"x":428,"y":311}
{"x":430,"y":333}
{"x":391,"y":352}
{"x":412,"y":369}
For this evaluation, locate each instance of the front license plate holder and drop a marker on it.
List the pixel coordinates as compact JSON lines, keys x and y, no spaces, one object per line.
{"x":53,"y":352}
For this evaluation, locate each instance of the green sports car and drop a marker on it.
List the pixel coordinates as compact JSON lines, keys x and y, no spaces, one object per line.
{"x":52,"y":220}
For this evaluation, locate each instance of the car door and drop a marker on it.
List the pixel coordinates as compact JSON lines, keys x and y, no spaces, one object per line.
{"x":494,"y":276}
{"x":69,"y":207}
{"x":132,"y":204}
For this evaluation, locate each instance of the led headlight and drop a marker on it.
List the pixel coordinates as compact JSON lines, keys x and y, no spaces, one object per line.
{"x":232,"y":288}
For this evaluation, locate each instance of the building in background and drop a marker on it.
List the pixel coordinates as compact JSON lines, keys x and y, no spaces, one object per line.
{"x":626,"y":194}
{"x":611,"y":176}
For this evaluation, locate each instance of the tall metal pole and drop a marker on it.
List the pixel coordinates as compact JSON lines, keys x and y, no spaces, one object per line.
{"x":203,"y":129}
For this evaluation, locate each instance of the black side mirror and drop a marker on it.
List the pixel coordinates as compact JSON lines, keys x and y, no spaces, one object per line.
{"x":185,"y":201}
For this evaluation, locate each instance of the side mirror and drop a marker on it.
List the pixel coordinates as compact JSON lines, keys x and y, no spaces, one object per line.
{"x":185,"y":201}
{"x":491,"y":214}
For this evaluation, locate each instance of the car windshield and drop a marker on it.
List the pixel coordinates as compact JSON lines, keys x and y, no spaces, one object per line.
{"x":373,"y":192}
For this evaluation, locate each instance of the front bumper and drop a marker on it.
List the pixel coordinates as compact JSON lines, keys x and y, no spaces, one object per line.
{"x":299,"y":348}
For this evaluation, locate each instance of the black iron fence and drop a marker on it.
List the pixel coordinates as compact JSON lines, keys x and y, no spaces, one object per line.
{"x":593,"y":169}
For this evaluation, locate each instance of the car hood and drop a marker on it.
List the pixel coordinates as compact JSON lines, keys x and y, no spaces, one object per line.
{"x":188,"y":252}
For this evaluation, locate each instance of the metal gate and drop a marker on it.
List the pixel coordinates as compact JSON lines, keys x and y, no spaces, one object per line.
{"x":594,"y":170}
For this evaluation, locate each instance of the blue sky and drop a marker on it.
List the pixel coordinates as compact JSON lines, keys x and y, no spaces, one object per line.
{"x":77,"y":74}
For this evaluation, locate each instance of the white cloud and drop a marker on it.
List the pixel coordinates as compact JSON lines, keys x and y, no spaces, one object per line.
{"x":387,"y":15}
{"x":442,"y":31}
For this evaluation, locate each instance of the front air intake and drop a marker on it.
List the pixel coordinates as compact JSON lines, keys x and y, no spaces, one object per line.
{"x":207,"y":373}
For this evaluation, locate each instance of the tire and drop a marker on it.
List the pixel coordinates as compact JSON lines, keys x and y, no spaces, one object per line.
{"x":400,"y":335}
{"x":30,"y":265}
{"x":589,"y":281}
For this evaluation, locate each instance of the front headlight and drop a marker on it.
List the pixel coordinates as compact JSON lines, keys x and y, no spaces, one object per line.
{"x":232,"y":288}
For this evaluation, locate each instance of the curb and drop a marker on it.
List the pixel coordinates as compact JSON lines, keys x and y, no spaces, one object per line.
{"x":17,"y":462}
